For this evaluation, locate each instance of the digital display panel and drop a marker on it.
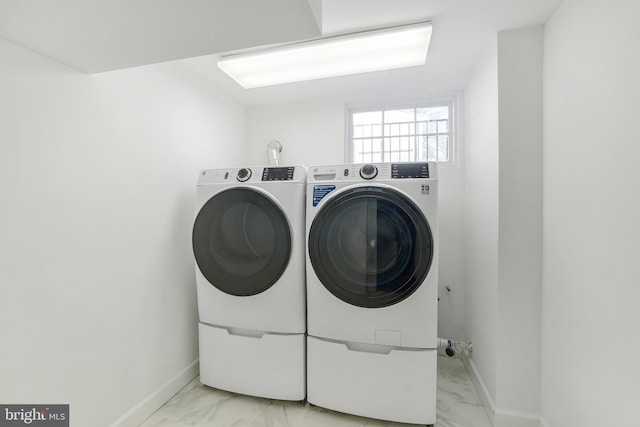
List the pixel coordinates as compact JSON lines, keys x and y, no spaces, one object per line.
{"x":278,"y":174}
{"x":410,"y":170}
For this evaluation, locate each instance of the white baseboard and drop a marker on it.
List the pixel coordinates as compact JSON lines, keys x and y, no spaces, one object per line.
{"x":497,"y":416}
{"x":147,"y":406}
{"x":504,"y":418}
{"x":481,"y":389}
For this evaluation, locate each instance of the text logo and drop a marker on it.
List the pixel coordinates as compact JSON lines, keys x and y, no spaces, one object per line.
{"x":34,"y":415}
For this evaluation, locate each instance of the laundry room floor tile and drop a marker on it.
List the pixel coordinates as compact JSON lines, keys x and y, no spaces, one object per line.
{"x":198,"y":405}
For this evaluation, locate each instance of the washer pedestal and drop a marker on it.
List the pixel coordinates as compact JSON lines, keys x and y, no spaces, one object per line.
{"x":252,"y":362}
{"x":374,"y":381}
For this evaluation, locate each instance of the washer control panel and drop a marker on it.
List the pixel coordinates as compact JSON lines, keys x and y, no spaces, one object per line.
{"x":374,"y":171}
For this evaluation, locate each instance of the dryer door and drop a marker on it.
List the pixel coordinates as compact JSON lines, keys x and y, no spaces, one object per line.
{"x":370,"y":246}
{"x":241,"y":241}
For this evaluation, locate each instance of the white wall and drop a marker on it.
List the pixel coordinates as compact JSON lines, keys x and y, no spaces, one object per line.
{"x":504,"y":225}
{"x":313,"y":133}
{"x":481,"y":217}
{"x":520,"y":225}
{"x":591,"y":210}
{"x":97,"y":177}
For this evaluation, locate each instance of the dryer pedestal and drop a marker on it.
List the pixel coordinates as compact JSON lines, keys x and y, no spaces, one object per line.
{"x":248,"y":362}
{"x":391,"y":384}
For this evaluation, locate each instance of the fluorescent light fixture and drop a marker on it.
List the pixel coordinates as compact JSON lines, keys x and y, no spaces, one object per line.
{"x":385,"y":49}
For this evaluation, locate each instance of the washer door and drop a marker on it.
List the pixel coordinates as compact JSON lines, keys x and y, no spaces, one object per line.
{"x":370,"y":246}
{"x":241,"y":241}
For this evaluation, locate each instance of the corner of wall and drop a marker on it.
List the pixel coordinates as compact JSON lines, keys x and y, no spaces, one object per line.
{"x":316,"y":9}
{"x":154,"y":401}
{"x":499,"y":417}
{"x":481,"y":389}
{"x":504,"y":170}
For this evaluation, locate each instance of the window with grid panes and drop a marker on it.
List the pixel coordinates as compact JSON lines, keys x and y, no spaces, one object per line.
{"x":419,"y":133}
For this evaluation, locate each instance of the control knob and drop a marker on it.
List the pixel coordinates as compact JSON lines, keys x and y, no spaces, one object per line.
{"x":368,"y":171}
{"x":243,"y":174}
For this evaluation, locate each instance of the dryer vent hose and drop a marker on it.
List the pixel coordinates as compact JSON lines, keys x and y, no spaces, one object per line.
{"x":273,"y":151}
{"x":455,"y":348}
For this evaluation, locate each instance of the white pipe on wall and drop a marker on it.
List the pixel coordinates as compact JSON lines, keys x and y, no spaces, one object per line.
{"x":273,"y":151}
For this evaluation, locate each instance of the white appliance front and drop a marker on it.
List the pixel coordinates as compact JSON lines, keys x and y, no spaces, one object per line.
{"x":372,"y":254}
{"x":386,"y":383}
{"x":372,"y":234}
{"x":248,"y":243}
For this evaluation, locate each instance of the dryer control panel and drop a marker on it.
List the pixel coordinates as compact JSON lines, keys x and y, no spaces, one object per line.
{"x":253,"y":175}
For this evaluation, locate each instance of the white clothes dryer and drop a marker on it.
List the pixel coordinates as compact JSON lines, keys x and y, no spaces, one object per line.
{"x":372,"y":290}
{"x":248,"y":243}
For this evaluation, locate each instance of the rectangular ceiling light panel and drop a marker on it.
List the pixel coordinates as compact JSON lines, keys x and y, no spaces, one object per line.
{"x":386,"y":49}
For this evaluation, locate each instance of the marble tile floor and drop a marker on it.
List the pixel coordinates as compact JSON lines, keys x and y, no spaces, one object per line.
{"x":198,"y":405}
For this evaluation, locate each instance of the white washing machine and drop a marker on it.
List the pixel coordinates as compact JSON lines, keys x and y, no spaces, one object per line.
{"x":248,"y":243}
{"x":372,"y":290}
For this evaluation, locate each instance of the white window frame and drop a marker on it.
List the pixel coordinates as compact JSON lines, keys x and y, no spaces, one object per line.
{"x":451,"y":101}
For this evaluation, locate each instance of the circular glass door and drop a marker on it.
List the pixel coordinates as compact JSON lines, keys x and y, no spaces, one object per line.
{"x":241,"y":241}
{"x":370,"y":246}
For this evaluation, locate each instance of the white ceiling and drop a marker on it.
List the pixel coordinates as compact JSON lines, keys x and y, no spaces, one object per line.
{"x":102,"y":35}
